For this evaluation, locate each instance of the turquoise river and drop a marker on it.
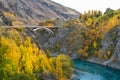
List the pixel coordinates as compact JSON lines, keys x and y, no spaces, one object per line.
{"x":90,"y":71}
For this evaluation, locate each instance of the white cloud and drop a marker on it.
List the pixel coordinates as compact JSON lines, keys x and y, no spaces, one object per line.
{"x":85,"y":5}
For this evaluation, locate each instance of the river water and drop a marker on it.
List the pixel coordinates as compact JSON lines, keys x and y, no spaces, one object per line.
{"x":90,"y":71}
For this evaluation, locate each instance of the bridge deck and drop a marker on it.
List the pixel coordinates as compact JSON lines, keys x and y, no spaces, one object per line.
{"x":32,"y":26}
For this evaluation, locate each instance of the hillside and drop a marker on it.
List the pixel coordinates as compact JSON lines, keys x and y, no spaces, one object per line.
{"x":35,"y":11}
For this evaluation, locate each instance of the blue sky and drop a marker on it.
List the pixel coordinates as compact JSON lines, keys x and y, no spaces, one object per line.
{"x":85,"y":5}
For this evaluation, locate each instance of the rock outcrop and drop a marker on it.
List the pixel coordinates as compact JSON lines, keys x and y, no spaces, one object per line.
{"x":4,"y":20}
{"x":112,"y":41}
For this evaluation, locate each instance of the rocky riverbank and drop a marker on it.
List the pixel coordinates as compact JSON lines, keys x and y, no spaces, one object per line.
{"x":104,"y":63}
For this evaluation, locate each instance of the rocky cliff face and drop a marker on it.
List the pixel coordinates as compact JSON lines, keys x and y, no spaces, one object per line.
{"x":37,"y":10}
{"x":112,"y":42}
{"x":55,"y":43}
{"x":4,"y":20}
{"x":60,"y":42}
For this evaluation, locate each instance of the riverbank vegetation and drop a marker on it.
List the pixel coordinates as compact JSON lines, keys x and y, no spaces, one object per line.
{"x":91,"y":30}
{"x":20,"y":58}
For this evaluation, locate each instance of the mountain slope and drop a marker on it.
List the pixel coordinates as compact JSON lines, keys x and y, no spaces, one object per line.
{"x":33,"y":11}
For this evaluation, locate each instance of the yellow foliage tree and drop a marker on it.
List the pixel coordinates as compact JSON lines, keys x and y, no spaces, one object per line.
{"x":25,"y":61}
{"x":94,"y":44}
{"x":89,"y":22}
